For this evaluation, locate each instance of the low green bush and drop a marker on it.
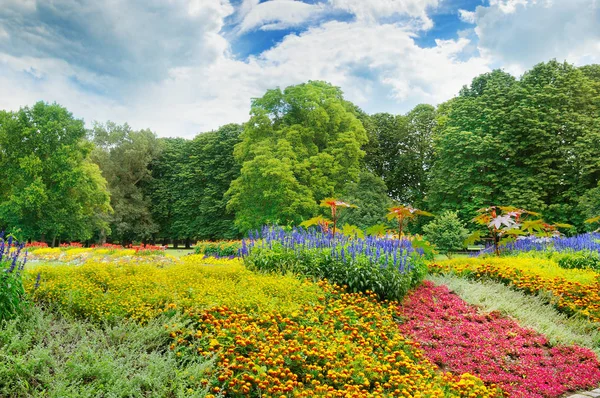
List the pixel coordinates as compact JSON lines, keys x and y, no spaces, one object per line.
{"x":225,"y":248}
{"x":12,"y":293}
{"x":584,"y":259}
{"x":447,"y":232}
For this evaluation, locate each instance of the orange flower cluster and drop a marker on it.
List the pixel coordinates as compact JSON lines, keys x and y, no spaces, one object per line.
{"x":570,"y":296}
{"x":347,"y":346}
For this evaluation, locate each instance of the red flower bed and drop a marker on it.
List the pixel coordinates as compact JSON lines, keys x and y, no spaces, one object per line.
{"x":36,"y":244}
{"x":496,"y":349}
{"x":71,"y":244}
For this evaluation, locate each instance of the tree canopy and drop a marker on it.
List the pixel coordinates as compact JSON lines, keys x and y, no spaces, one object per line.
{"x":49,"y":189}
{"x":124,"y":155}
{"x":300,"y":145}
{"x":532,"y":143}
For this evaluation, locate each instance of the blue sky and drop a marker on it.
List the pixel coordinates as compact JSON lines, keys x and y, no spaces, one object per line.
{"x":181,"y":67}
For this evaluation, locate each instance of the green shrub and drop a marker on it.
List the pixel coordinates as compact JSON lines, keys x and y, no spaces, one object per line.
{"x":12,"y":293}
{"x":447,"y":232}
{"x":584,"y":259}
{"x":360,"y":274}
{"x":225,"y":248}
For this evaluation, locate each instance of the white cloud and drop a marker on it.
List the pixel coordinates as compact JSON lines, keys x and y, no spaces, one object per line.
{"x":466,"y":16}
{"x":375,"y":10}
{"x":517,"y":34}
{"x":278,"y":14}
{"x":196,"y":84}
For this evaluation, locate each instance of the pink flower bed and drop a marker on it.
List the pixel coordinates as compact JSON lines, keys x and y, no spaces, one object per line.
{"x":520,"y":361}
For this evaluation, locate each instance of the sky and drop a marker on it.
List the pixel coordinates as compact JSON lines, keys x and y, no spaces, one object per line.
{"x":181,"y":67}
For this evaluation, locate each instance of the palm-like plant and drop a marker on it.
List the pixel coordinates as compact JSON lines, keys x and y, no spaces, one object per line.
{"x":333,"y":204}
{"x":323,"y":222}
{"x":404,"y":214}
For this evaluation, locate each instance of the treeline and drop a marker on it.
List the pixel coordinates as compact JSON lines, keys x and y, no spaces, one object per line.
{"x":532,"y":142}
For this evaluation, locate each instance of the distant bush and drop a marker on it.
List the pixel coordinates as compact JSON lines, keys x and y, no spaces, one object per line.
{"x":447,"y":232}
{"x":225,"y":248}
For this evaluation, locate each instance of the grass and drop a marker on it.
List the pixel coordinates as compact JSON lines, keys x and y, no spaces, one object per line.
{"x":44,"y":354}
{"x":529,"y":311}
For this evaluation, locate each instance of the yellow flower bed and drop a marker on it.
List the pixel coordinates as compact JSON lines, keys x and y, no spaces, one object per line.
{"x":346,"y":346}
{"x":573,"y":290}
{"x":543,"y":267}
{"x":141,"y":290}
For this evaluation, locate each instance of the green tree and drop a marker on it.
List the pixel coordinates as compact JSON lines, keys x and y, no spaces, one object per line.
{"x":210,"y":169}
{"x":369,"y":194}
{"x":124,"y":156}
{"x":164,"y":190}
{"x":447,"y":232}
{"x":49,"y":188}
{"x":300,"y":146}
{"x":400,"y":151}
{"x":532,"y":143}
{"x":267,"y":191}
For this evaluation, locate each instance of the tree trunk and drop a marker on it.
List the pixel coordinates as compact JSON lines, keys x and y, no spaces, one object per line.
{"x":187,"y":243}
{"x":175,"y":243}
{"x":54,"y":241}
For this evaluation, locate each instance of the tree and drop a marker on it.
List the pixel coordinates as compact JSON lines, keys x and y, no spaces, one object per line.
{"x":370,"y":196}
{"x":300,"y":146}
{"x":532,"y":142}
{"x":400,"y":151}
{"x":447,"y":232}
{"x":124,"y":156}
{"x":49,"y":189}
{"x":164,"y":190}
{"x":267,"y":192}
{"x":209,"y":170}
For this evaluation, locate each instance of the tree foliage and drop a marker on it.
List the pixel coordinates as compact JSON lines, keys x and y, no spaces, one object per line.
{"x":49,"y":188}
{"x":447,"y":232}
{"x":124,"y":156}
{"x":400,"y":151}
{"x":300,"y":146}
{"x":533,"y":143}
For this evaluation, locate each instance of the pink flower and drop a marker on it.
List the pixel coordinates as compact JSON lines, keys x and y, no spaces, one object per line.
{"x":458,"y":338}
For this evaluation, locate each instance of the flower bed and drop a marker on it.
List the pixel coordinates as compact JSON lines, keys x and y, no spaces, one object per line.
{"x":387,"y":267}
{"x":348,"y":345}
{"x":224,"y":248}
{"x":141,"y":290}
{"x":573,"y":291}
{"x":455,"y":336}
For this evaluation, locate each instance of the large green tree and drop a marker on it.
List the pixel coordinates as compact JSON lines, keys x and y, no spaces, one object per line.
{"x":49,"y":188}
{"x":190,"y":178}
{"x":400,"y":151}
{"x":300,"y":145}
{"x":124,"y":156}
{"x":532,"y":143}
{"x":209,"y":169}
{"x":164,"y":190}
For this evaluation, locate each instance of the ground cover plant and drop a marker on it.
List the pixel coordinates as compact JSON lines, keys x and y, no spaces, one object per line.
{"x":103,"y":253}
{"x":347,"y":345}
{"x":44,"y":354}
{"x":456,"y":336}
{"x":570,"y":290}
{"x":267,"y":334}
{"x":388,"y":267}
